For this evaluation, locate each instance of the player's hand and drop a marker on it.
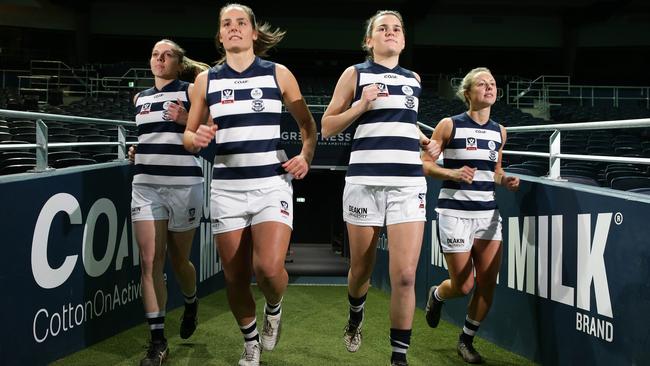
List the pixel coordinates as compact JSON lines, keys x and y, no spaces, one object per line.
{"x":510,"y":182}
{"x":369,"y":94}
{"x":464,"y":174}
{"x":296,"y":166}
{"x":432,"y":147}
{"x":176,"y":112}
{"x":203,"y":135}
{"x":131,"y":153}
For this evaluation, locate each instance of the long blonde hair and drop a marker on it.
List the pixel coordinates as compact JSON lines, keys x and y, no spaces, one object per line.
{"x":267,"y":37}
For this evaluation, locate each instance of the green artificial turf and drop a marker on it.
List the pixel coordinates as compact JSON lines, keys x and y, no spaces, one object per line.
{"x":313,"y":320}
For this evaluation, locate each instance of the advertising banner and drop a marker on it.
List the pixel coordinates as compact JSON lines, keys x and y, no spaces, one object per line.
{"x":572,"y":287}
{"x":70,"y":270}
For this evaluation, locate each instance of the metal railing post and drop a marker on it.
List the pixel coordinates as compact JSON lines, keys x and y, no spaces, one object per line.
{"x":121,"y":138}
{"x":41,"y":150}
{"x":554,"y":159}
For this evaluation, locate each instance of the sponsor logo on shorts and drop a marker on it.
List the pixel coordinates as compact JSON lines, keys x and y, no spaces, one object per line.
{"x":192,"y":214}
{"x":421,"y":197}
{"x":358,"y":212}
{"x":285,"y":208}
{"x":135,"y":210}
{"x":455,"y":242}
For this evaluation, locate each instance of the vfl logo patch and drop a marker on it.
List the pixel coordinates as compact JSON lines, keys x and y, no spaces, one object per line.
{"x":470,"y":143}
{"x":227,"y":96}
{"x":409,"y":102}
{"x":146,"y":108}
{"x":407,"y":90}
{"x":285,"y":208}
{"x":383,"y":90}
{"x":492,"y":145}
{"x":257,"y":105}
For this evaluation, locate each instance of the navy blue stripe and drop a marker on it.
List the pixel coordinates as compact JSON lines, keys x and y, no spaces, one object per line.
{"x":248,"y":172}
{"x":386,"y":169}
{"x":167,"y":170}
{"x":466,"y":205}
{"x":252,"y":119}
{"x":250,"y":329}
{"x":386,"y":143}
{"x":389,"y":115}
{"x":165,"y":149}
{"x":245,"y":94}
{"x":470,"y":326}
{"x":481,"y":144}
{"x":396,"y":89}
{"x":475,"y":186}
{"x":166,"y":126}
{"x":243,"y":147}
{"x":478,"y":164}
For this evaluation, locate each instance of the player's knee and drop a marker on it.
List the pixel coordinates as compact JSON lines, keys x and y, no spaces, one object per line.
{"x":268,"y":270}
{"x":361,"y":272}
{"x":404,"y":278}
{"x":464,"y":287}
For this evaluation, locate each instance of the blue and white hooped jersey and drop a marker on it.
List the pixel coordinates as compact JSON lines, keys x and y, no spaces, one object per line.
{"x":161,"y":158}
{"x":386,"y":149}
{"x":246,"y":107}
{"x":476,"y":146}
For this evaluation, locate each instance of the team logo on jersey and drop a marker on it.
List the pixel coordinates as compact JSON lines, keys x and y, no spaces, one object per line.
{"x":146,"y":108}
{"x":493,"y":155}
{"x":257,"y":105}
{"x":421,"y":197}
{"x":227,"y":96}
{"x":407,"y":90}
{"x":492,"y":145}
{"x":256,"y":93}
{"x":470,"y":143}
{"x":383,"y":90}
{"x":285,"y":208}
{"x":409,"y":102}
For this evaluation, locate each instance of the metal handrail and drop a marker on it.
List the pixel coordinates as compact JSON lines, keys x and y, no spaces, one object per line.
{"x":555,"y":154}
{"x":42,"y":145}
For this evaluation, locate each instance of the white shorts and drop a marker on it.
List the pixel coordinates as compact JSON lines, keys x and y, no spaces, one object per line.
{"x":365,"y":205}
{"x":233,"y":210}
{"x":457,"y":234}
{"x":180,"y":205}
